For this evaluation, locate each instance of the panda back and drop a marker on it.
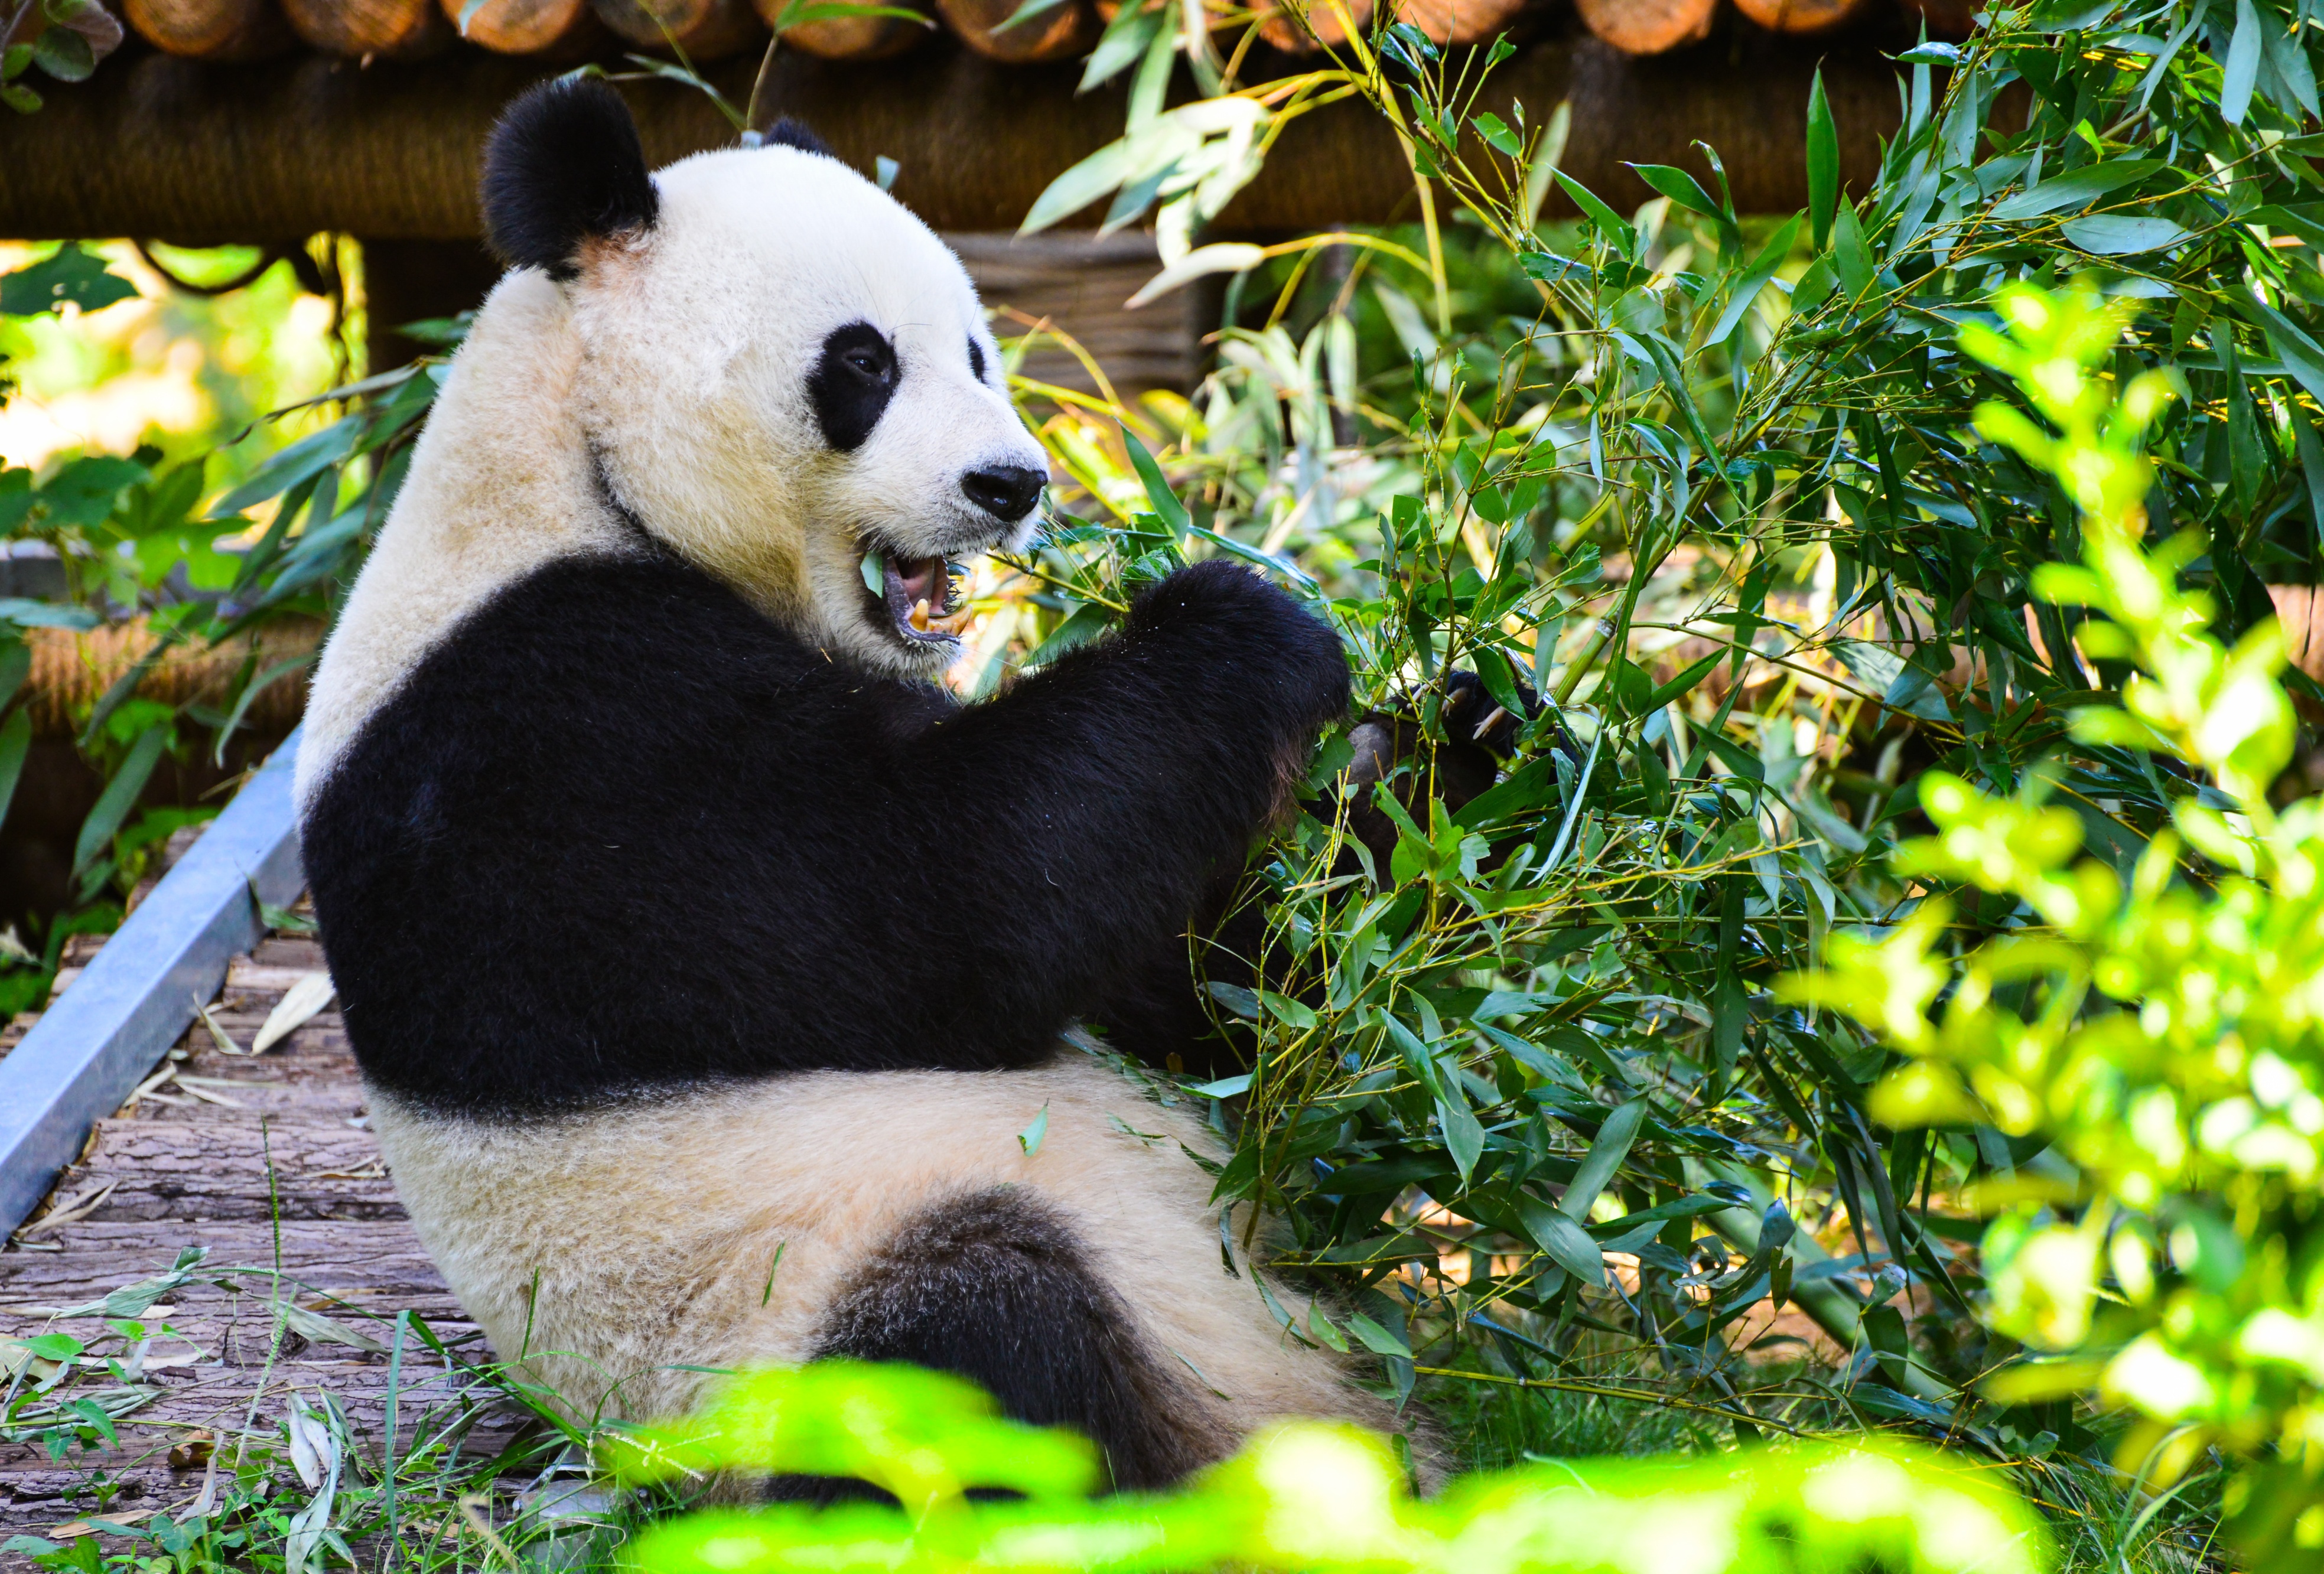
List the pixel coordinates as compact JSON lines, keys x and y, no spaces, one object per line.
{"x":501,"y":483}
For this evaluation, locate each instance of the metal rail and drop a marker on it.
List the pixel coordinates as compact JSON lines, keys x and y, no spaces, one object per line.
{"x":119,"y":1018}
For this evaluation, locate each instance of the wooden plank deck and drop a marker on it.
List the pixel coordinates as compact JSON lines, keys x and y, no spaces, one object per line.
{"x":248,"y":1156}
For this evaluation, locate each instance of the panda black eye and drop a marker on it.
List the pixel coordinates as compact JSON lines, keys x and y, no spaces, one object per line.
{"x":976,"y":360}
{"x":852,"y":384}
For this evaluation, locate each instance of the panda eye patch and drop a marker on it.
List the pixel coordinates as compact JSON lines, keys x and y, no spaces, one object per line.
{"x":976,"y":360}
{"x":852,"y":382}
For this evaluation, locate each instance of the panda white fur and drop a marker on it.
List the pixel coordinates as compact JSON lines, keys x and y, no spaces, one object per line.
{"x":705,"y":963}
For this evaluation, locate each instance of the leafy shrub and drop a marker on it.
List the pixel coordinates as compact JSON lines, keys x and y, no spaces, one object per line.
{"x":2165,"y":1027}
{"x":1721,"y":491}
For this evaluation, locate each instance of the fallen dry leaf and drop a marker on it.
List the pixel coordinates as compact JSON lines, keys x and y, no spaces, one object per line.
{"x":299,"y":1005}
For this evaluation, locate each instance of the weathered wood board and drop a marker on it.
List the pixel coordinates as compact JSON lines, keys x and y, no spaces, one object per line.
{"x":265,"y":1161}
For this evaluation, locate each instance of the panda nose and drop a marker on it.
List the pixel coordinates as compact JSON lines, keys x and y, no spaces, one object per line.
{"x":1006,"y":491}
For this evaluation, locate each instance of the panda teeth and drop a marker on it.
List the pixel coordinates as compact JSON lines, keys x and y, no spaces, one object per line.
{"x":929,"y":616}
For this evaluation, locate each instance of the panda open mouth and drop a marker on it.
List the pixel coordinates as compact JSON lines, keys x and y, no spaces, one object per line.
{"x":917,"y":593}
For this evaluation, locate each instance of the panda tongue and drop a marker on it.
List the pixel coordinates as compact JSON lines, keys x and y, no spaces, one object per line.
{"x":917,"y":582}
{"x":930,"y":581}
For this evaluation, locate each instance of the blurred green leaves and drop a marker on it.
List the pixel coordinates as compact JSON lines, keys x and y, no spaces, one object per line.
{"x":70,"y":275}
{"x":926,"y":1437}
{"x":1298,"y":1496}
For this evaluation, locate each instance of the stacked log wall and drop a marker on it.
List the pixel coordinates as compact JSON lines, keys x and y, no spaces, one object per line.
{"x":203,"y":153}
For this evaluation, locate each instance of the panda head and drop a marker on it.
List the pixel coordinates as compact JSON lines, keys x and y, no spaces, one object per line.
{"x":785,"y":376}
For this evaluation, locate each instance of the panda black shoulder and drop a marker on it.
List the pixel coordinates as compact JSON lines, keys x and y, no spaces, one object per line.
{"x":564,"y":167}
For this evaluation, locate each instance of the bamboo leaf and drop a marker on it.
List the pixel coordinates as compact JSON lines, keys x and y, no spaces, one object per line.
{"x":1610,"y":223}
{"x":300,"y":1004}
{"x":1824,"y":163}
{"x":1569,"y":1245}
{"x":120,"y":796}
{"x":15,"y":742}
{"x":1755,"y":279}
{"x":1167,"y":506}
{"x":2241,"y":69}
{"x":1464,"y":1138}
{"x":309,"y":455}
{"x":1605,"y":1156}
{"x":1376,"y":1339}
{"x":2117,"y":235}
{"x":2076,"y":187}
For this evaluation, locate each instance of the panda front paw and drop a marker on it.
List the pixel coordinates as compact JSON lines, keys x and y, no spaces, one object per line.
{"x":1241,"y":624}
{"x":1479,"y":735}
{"x":1471,"y":717}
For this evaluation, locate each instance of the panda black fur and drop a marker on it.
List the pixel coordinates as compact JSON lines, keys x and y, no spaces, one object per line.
{"x":682,"y":923}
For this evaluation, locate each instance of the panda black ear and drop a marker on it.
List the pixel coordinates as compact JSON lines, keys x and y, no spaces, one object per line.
{"x":564,"y":167}
{"x":788,"y":133}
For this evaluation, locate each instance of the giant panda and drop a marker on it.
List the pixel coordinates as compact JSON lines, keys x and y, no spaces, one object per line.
{"x":711,"y":972}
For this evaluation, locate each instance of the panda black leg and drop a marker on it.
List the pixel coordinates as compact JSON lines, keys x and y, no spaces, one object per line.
{"x":995,"y":1287}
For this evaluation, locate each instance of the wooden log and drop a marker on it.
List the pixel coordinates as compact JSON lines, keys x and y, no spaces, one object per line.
{"x":850,"y":37}
{"x":1322,"y":29}
{"x":391,"y":30}
{"x":217,"y":1166}
{"x":1800,"y":17}
{"x":1065,"y":29}
{"x":202,"y":154}
{"x":1462,"y":22}
{"x":1648,"y":27}
{"x":706,"y":30}
{"x":559,"y":28}
{"x":1223,"y":15}
{"x":212,"y":30}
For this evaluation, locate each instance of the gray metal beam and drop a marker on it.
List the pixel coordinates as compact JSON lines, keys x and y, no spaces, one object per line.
{"x":106,"y":1032}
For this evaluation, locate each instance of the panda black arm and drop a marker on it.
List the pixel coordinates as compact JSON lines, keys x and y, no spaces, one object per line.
{"x":1095,"y":803}
{"x":621,"y":831}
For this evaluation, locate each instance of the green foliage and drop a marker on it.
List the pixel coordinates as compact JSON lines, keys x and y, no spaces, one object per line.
{"x":1779,"y":514}
{"x":1301,"y":1496}
{"x":1733,"y":496}
{"x":72,"y":273}
{"x":2163,"y":1027}
{"x":65,"y":39}
{"x":141,"y":536}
